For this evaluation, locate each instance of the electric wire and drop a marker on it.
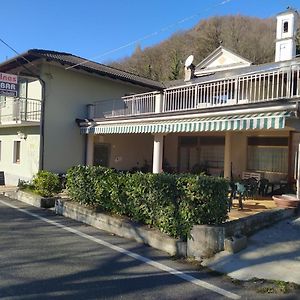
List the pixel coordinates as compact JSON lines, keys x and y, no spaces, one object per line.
{"x":155,"y":33}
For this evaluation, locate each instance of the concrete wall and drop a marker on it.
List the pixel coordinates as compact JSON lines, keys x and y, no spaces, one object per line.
{"x":29,"y":153}
{"x":67,"y":94}
{"x":128,"y":150}
{"x":34,"y":90}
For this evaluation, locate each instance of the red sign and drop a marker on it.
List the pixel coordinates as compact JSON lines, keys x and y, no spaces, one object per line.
{"x":9,"y":85}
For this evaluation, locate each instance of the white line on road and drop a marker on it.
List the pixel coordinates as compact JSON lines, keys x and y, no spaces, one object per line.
{"x":136,"y":256}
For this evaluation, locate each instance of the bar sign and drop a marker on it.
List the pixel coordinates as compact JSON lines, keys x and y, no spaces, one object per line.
{"x":8,"y":85}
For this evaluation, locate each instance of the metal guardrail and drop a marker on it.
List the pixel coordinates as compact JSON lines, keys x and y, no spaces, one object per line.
{"x":264,"y":86}
{"x":19,"y":109}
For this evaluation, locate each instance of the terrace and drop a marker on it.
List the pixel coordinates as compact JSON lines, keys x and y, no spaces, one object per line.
{"x":276,"y":82}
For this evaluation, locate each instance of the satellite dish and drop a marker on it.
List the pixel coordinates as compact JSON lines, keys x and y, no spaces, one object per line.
{"x":189,"y":61}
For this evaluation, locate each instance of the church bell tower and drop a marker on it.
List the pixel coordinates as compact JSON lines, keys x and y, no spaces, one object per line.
{"x":286,"y":35}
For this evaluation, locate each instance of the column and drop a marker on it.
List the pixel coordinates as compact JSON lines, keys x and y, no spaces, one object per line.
{"x":89,"y":150}
{"x":227,"y":156}
{"x":158,"y":153}
{"x":298,"y":174}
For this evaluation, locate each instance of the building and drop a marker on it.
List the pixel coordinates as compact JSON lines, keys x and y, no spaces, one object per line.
{"x":37,"y":127}
{"x":227,"y":117}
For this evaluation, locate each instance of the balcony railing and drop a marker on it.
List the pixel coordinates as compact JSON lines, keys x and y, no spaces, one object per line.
{"x":281,"y":83}
{"x":18,"y":110}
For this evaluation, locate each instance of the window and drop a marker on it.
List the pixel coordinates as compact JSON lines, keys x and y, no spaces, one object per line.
{"x":17,"y":152}
{"x":268,"y":154}
{"x":206,"y":152}
{"x":285,"y":27}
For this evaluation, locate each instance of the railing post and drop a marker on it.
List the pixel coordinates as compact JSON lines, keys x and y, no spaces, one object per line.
{"x":25,"y":108}
{"x":158,"y":103}
{"x":289,"y":83}
{"x":91,"y":111}
{"x":236,"y":90}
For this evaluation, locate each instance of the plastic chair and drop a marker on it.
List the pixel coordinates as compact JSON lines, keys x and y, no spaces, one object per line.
{"x":241,"y":191}
{"x":263,"y":187}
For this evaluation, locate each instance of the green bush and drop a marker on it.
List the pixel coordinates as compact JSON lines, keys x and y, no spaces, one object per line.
{"x":171,"y":203}
{"x":46,"y":183}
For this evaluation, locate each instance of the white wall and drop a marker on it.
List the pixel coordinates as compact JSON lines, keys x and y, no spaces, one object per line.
{"x":128,"y":150}
{"x":67,"y":94}
{"x":29,"y":159}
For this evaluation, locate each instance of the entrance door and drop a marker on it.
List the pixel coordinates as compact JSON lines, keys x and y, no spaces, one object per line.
{"x":101,"y":155}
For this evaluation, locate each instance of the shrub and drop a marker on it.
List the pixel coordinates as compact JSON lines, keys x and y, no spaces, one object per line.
{"x":46,"y":183}
{"x":171,"y":203}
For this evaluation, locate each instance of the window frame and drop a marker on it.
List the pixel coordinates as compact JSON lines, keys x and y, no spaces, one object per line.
{"x":17,"y":152}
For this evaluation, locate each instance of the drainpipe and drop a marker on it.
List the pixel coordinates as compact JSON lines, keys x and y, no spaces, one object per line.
{"x":42,"y":124}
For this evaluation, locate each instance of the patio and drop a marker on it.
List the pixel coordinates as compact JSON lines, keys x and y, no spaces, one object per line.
{"x":251,"y":207}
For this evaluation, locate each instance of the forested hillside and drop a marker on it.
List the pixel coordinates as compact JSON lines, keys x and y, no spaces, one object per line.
{"x":250,"y":37}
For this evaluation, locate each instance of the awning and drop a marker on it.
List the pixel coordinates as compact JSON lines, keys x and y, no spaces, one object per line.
{"x":272,"y":120}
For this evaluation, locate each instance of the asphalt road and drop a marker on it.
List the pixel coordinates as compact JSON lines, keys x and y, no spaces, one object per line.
{"x":44,"y":256}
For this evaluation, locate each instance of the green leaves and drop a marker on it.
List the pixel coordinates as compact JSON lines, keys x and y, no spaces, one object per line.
{"x":46,"y":183}
{"x":171,"y":203}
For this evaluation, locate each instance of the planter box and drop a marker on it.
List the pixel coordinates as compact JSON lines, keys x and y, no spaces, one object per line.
{"x":286,"y":201}
{"x":32,"y":199}
{"x":121,"y":226}
{"x":235,"y":243}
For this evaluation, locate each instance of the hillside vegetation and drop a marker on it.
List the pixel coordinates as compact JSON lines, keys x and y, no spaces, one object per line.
{"x":252,"y":38}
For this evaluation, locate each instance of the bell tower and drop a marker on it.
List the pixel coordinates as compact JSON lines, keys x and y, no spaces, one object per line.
{"x":286,"y":35}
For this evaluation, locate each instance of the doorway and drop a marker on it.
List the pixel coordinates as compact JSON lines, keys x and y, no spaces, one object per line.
{"x":101,"y":155}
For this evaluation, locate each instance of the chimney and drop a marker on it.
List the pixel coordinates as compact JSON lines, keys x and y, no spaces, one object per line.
{"x":286,"y":32}
{"x":189,"y":72}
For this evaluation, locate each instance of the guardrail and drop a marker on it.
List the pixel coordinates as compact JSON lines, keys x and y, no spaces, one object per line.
{"x":275,"y":84}
{"x":15,"y":110}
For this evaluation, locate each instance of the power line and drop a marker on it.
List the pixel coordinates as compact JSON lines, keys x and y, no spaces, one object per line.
{"x":151,"y":34}
{"x":16,"y":52}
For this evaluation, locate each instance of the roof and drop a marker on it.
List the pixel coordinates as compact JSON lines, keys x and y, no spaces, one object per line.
{"x":89,"y":66}
{"x":288,"y":11}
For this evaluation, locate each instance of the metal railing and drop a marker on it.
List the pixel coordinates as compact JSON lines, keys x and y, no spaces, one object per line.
{"x":128,"y":106}
{"x":269,"y":85}
{"x":16,"y":110}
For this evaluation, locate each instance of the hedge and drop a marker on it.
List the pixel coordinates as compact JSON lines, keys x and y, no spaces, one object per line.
{"x":172,"y":203}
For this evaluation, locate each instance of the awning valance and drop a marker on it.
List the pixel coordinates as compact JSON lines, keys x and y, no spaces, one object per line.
{"x":272,"y":120}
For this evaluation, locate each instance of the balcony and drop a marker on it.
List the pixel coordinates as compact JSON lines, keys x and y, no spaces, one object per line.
{"x":19,"y":110}
{"x":276,"y":84}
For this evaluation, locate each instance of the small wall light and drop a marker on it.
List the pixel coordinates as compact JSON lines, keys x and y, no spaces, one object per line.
{"x":22,"y":135}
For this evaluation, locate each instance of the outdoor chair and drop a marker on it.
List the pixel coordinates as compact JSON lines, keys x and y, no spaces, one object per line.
{"x":241,"y":192}
{"x":263,"y":187}
{"x":251,"y":185}
{"x":231,"y":194}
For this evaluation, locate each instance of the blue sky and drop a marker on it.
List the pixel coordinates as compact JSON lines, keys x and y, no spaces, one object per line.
{"x":92,"y":28}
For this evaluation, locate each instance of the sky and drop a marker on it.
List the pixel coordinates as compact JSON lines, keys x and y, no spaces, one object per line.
{"x":106,"y":31}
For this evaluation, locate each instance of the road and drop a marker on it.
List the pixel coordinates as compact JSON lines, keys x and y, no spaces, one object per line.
{"x":45,"y":256}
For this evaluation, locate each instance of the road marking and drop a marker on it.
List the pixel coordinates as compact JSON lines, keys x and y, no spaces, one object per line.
{"x":136,"y":256}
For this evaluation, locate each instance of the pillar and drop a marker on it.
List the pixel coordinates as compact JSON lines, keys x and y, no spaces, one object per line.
{"x":227,"y":156}
{"x":298,"y":173}
{"x":89,"y":150}
{"x":158,"y":153}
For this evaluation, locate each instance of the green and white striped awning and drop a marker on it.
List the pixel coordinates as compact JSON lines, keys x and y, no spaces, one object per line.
{"x":272,"y":120}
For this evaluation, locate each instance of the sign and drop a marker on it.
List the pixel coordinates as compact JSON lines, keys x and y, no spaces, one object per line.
{"x":9,"y":85}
